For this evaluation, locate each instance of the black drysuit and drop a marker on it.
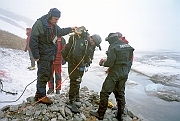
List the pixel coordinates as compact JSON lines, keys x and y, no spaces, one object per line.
{"x":119,"y":59}
{"x":77,"y":49}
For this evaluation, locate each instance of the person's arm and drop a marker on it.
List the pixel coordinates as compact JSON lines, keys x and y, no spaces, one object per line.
{"x":65,"y":31}
{"x":90,"y":55}
{"x":34,"y":42}
{"x":109,"y":62}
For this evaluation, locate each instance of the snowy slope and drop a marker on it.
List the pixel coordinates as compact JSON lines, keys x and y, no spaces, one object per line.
{"x":16,"y":76}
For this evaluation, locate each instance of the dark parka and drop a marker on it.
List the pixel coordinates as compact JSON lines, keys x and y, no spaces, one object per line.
{"x":119,"y":53}
{"x":41,"y":41}
{"x":76,"y":48}
{"x":119,"y":59}
{"x":44,"y":49}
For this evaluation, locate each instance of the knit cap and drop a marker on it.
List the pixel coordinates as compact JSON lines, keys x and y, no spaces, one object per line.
{"x":55,"y":12}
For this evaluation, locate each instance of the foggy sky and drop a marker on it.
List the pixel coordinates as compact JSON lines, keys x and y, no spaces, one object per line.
{"x":146,"y":24}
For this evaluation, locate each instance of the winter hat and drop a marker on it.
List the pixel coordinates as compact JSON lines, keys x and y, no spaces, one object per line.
{"x":97,"y":39}
{"x":111,"y":35}
{"x":54,"y":12}
{"x":119,"y":34}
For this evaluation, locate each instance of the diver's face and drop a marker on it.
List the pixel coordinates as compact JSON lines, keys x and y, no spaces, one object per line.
{"x":54,"y":20}
{"x":92,"y":42}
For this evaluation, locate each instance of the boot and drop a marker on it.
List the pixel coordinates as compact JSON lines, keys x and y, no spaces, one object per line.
{"x":120,"y":112}
{"x":57,"y":91}
{"x":72,"y":107}
{"x":32,"y":68}
{"x":96,"y":114}
{"x":45,"y":100}
{"x":78,"y":100}
{"x":51,"y":90}
{"x":36,"y":97}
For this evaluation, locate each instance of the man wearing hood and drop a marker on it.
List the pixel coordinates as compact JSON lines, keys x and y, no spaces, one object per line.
{"x":43,"y":39}
{"x":79,"y":53}
{"x":119,"y":56}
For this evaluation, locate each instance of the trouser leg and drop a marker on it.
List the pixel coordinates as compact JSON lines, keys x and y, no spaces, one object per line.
{"x":44,"y":73}
{"x":31,"y":58}
{"x":78,"y":82}
{"x":57,"y":68}
{"x":51,"y":82}
{"x":75,"y":80}
{"x":107,"y":89}
{"x":58,"y":81}
{"x":119,"y":92}
{"x":72,"y":90}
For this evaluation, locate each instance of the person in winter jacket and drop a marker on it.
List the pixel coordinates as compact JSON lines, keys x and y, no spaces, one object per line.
{"x":119,"y":56}
{"x":79,"y":53}
{"x":28,"y":33}
{"x":43,"y":40}
{"x":57,"y":68}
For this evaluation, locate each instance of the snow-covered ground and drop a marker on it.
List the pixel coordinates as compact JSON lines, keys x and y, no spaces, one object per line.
{"x":163,"y":65}
{"x":161,"y":69}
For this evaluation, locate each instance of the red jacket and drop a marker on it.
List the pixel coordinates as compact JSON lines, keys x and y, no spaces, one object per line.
{"x":61,"y":43}
{"x":125,"y":41}
{"x":28,"y":33}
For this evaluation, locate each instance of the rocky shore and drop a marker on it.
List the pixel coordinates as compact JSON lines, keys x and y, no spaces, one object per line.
{"x":31,"y":111}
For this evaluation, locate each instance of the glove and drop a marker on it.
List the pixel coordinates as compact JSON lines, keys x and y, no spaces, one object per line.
{"x":63,"y":62}
{"x":101,"y":62}
{"x":81,"y":68}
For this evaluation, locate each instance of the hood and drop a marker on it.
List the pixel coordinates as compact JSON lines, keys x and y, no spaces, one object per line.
{"x":44,"y":21}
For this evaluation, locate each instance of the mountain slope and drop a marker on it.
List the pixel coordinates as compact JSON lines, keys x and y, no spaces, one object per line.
{"x":14,"y":23}
{"x":13,"y":18}
{"x":9,"y":40}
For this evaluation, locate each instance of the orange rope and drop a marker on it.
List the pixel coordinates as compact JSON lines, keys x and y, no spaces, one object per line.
{"x":47,"y":94}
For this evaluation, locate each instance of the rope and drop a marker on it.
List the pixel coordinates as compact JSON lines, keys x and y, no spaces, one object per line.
{"x":1,"y":88}
{"x":16,"y":93}
{"x":44,"y":96}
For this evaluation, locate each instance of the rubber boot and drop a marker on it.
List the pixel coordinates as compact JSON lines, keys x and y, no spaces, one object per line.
{"x":120,"y":112}
{"x":96,"y":114}
{"x":72,"y":107}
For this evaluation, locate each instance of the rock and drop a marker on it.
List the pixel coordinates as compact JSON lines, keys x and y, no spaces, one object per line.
{"x":58,"y":111}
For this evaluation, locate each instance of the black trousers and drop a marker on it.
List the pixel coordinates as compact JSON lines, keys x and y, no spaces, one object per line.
{"x":44,"y":73}
{"x":114,"y":82}
{"x":75,"y":81}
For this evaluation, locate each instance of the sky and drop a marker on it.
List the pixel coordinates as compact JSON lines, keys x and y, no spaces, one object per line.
{"x":146,"y":24}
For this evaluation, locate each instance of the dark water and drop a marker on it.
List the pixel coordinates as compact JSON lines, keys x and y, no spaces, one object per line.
{"x":143,"y":105}
{"x":148,"y":107}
